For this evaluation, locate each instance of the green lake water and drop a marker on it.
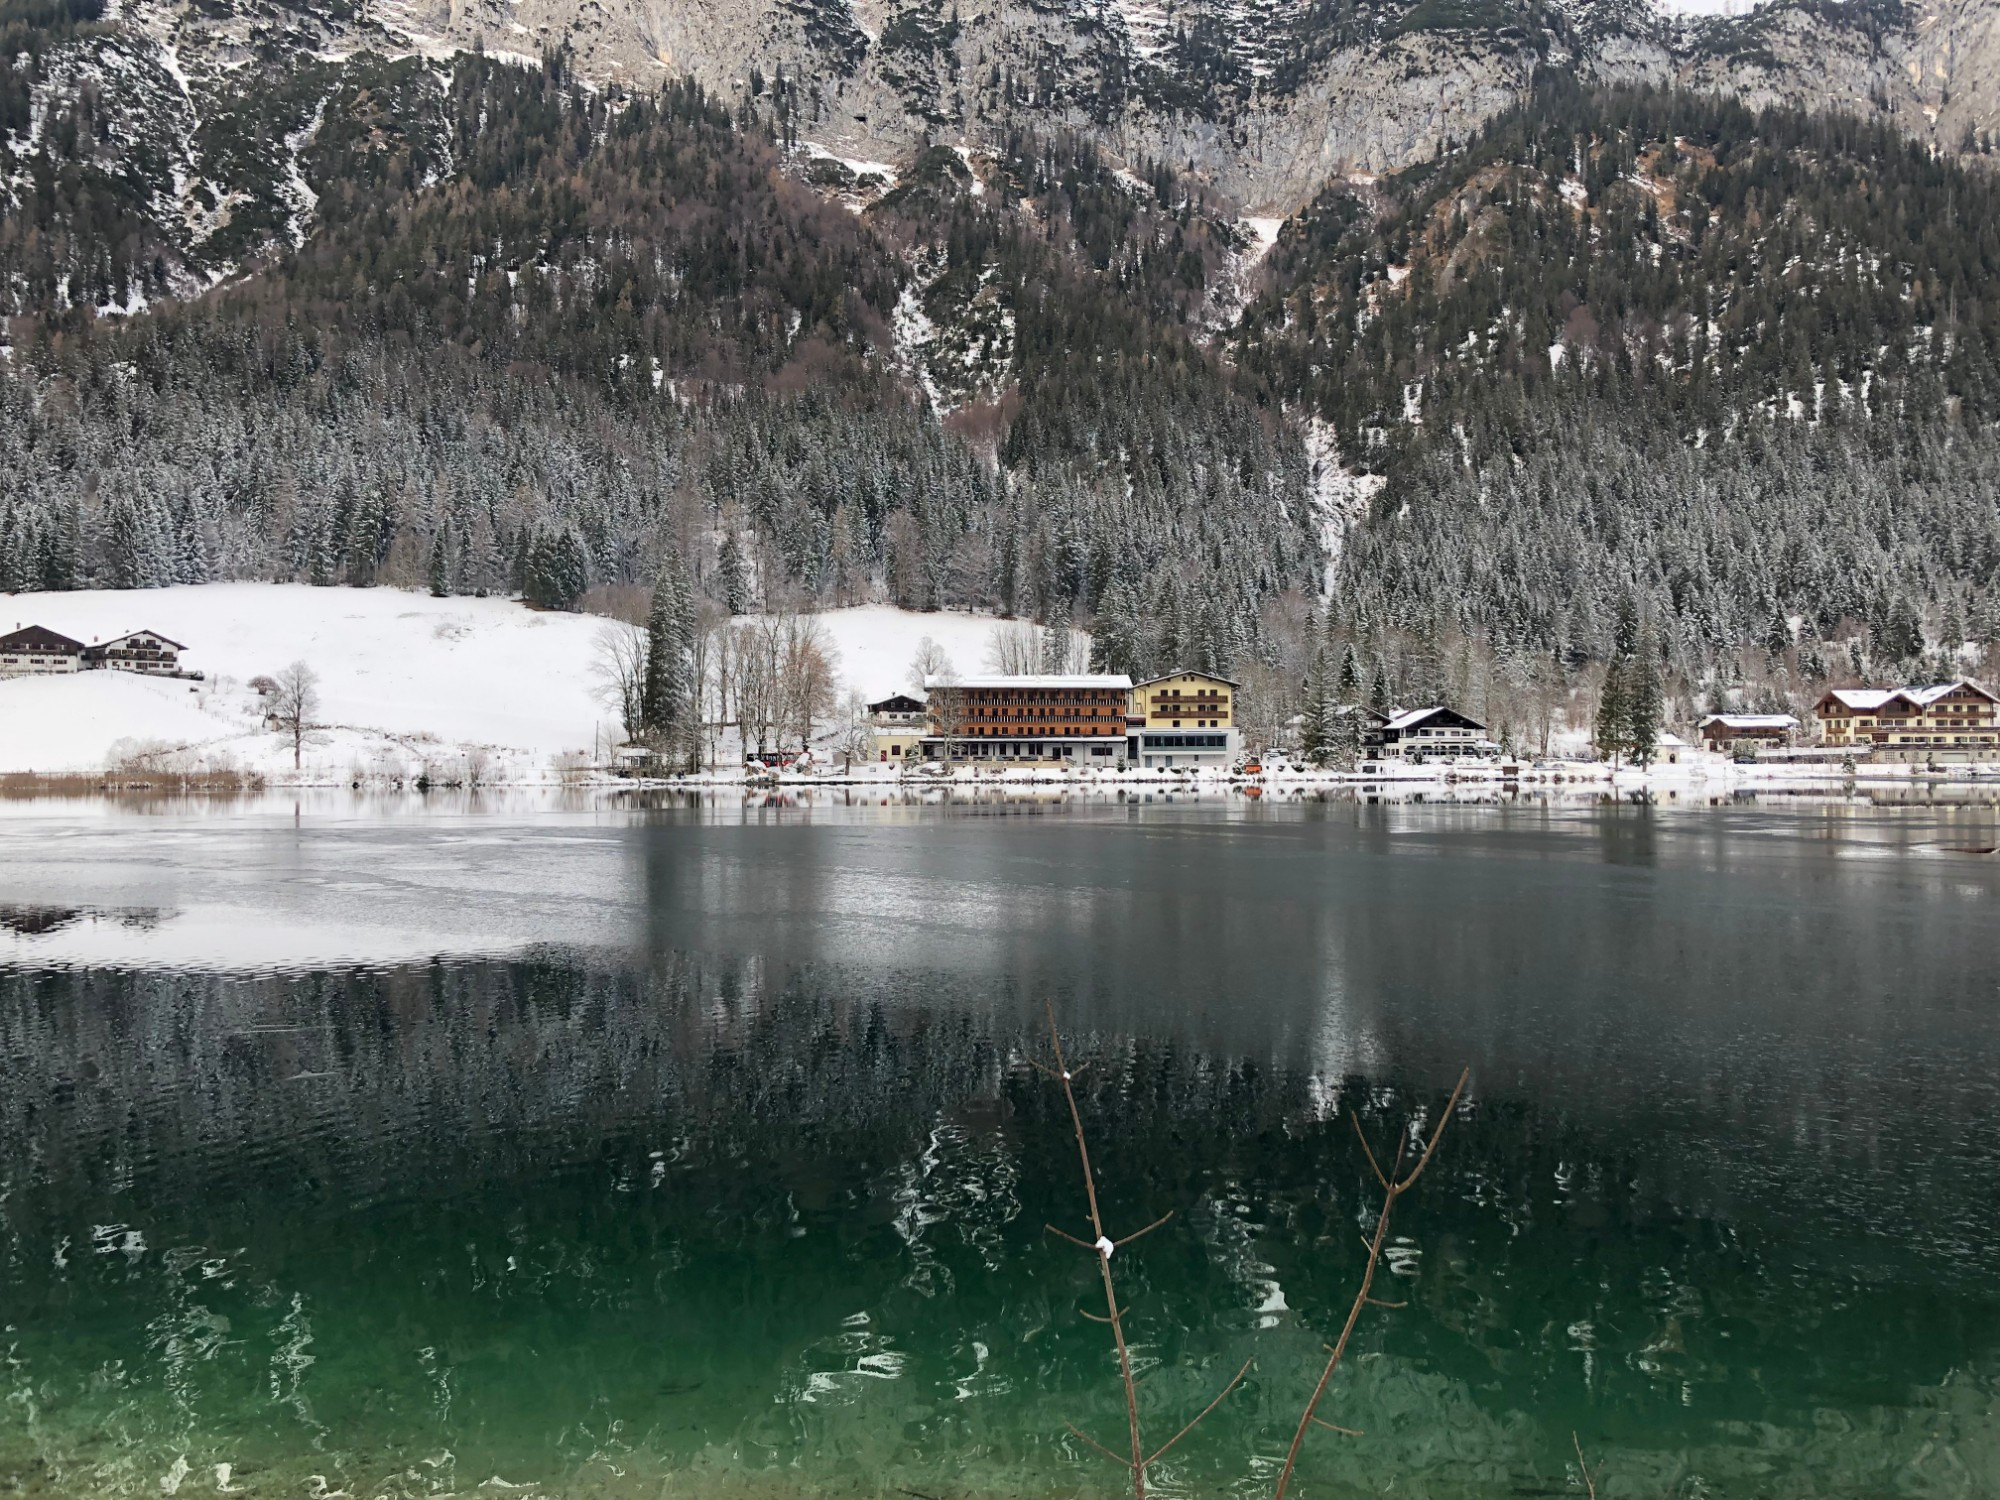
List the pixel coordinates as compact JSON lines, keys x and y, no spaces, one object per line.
{"x":696,"y":1150}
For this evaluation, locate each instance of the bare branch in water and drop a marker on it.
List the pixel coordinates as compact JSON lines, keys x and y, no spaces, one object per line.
{"x":1589,"y":1484}
{"x":1394,"y":1185}
{"x":1103,"y":1246}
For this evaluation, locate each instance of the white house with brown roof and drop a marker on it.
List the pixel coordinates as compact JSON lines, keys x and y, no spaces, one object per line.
{"x":35,"y":651}
{"x":1725,"y":732}
{"x":141,"y":651}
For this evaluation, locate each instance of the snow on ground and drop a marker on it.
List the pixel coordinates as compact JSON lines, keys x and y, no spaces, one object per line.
{"x":877,"y":642}
{"x":400,"y":674}
{"x":1265,"y":232}
{"x":408,"y":683}
{"x":1707,"y":7}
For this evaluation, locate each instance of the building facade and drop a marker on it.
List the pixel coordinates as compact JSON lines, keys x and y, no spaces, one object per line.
{"x":1077,"y":720}
{"x":34,"y":651}
{"x":1183,"y":720}
{"x":1435,"y":733}
{"x":1724,"y":732}
{"x":1954,"y":716}
{"x":896,"y":726}
{"x":141,"y":651}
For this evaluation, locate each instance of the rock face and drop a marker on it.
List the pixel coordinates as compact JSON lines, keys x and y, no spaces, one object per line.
{"x":1268,"y":98}
{"x":204,"y":119}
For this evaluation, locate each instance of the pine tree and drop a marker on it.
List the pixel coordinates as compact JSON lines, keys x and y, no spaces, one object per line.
{"x":1643,"y":701}
{"x":1316,"y":734}
{"x":440,"y":566}
{"x":733,"y":575}
{"x":657,"y":709}
{"x":669,"y":696}
{"x":1347,"y":689}
{"x":1777,"y":638}
{"x":1613,"y":713}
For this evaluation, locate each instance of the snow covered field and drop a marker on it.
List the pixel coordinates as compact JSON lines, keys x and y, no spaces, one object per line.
{"x":407,"y":682}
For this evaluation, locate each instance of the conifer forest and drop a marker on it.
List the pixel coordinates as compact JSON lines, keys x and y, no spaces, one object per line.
{"x":1625,"y":353}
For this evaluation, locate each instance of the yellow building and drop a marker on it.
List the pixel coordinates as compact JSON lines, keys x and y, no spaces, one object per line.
{"x":896,"y":728}
{"x":1184,"y":719}
{"x":1951,"y":716}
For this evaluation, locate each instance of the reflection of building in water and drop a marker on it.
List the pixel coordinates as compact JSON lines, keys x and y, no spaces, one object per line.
{"x":33,"y":921}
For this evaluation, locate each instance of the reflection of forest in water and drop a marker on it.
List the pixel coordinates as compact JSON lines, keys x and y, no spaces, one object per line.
{"x":756,"y":1196}
{"x":685,"y":1180}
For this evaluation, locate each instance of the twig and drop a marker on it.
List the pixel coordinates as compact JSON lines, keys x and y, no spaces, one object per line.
{"x":1161,"y":1451}
{"x":1394,"y":1185}
{"x":1102,"y":1246}
{"x":1083,"y":1437}
{"x":1121,"y":1244}
{"x":1589,"y":1484}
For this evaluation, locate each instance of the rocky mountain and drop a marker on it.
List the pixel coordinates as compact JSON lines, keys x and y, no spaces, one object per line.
{"x":183,"y":135}
{"x":1211,"y":325}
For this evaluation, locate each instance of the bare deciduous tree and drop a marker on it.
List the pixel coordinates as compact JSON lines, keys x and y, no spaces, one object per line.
{"x":806,"y":662}
{"x":857,"y":734}
{"x":1014,"y":649}
{"x":293,"y":705}
{"x":619,"y":665}
{"x":930,"y":661}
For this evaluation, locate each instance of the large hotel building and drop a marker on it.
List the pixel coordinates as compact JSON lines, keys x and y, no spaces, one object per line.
{"x":1179,"y":721}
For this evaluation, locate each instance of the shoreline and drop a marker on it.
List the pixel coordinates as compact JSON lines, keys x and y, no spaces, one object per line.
{"x":1563,"y":778}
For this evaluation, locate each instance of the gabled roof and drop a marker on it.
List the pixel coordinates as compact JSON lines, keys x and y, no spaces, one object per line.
{"x":1752,"y":721}
{"x":38,"y":638}
{"x":1188,"y":672}
{"x":1410,"y":718}
{"x":1925,"y":696}
{"x":1001,"y":682}
{"x":118,"y":640}
{"x":1868,"y":700}
{"x":897,"y":703}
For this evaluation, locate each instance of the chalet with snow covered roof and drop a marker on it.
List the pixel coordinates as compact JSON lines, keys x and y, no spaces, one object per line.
{"x":35,"y":651}
{"x":1434,"y":733}
{"x":1079,"y":720}
{"x":896,"y":727}
{"x":1956,"y":716}
{"x":141,"y":651}
{"x":1724,"y":732}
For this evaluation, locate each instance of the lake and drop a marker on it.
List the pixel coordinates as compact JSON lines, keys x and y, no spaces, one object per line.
{"x":567,"y":1147}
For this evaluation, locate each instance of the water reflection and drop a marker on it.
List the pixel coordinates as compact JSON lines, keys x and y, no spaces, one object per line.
{"x":712,"y":1162}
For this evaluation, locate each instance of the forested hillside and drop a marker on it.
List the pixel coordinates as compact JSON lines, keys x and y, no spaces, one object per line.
{"x":544,"y":333}
{"x":1628,"y":350}
{"x":1744,"y":367}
